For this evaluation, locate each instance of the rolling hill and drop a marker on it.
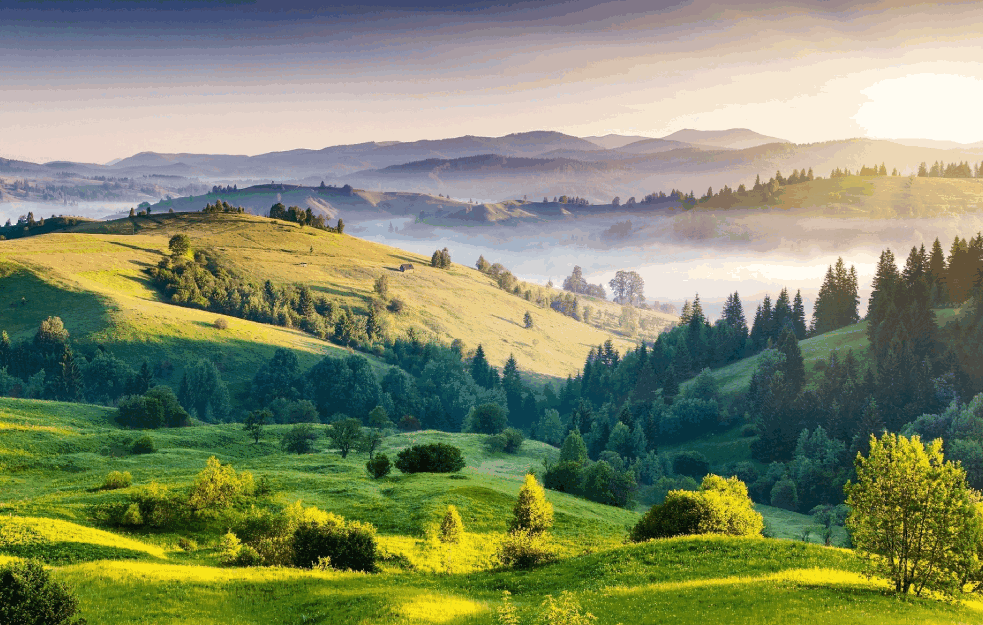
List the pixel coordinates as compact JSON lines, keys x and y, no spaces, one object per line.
{"x":93,"y":277}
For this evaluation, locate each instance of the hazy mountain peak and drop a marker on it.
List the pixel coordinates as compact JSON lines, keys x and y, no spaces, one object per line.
{"x":732,"y":138}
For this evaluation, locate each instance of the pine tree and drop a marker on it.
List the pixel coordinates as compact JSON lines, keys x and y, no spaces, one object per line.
{"x":782,"y":313}
{"x":799,"y":316}
{"x":794,"y":367}
{"x":479,"y":367}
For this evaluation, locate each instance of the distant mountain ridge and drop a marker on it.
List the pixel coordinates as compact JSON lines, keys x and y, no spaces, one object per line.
{"x":519,"y":165}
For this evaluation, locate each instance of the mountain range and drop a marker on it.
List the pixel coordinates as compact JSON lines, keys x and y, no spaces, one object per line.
{"x":523,"y":165}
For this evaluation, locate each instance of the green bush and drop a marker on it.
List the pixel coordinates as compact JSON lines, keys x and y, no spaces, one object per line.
{"x":523,"y":549}
{"x":432,"y":458}
{"x":508,"y":440}
{"x":691,"y":463}
{"x":719,"y":507}
{"x":28,"y":596}
{"x":143,"y":445}
{"x":218,"y":487}
{"x":117,"y":479}
{"x":379,"y":466}
{"x":564,"y":477}
{"x":299,"y":439}
{"x":349,"y":545}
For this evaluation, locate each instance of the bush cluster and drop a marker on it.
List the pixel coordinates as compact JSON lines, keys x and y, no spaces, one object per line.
{"x":29,"y":596}
{"x":431,"y":458}
{"x":721,"y":506}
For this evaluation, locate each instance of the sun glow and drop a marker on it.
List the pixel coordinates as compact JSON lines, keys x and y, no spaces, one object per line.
{"x":943,"y":107}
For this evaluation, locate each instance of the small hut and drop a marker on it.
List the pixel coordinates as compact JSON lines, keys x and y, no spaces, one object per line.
{"x":406,"y":267}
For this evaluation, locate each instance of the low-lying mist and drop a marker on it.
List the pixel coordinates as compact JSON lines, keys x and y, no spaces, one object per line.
{"x":711,"y":253}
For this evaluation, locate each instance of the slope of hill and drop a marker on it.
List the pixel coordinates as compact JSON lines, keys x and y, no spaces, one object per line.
{"x":93,"y":278}
{"x":735,"y":377}
{"x":875,"y":197}
{"x":54,"y":457}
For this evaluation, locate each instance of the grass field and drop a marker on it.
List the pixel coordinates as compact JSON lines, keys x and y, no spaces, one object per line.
{"x":54,"y":456}
{"x":94,"y":280}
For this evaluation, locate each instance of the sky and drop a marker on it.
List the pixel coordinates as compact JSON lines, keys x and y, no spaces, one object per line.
{"x":96,"y":81}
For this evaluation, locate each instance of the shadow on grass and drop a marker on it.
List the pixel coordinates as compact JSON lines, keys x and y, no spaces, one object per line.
{"x":65,"y":552}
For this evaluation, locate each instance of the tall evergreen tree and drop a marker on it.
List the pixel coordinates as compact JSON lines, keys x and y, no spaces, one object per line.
{"x":799,"y":316}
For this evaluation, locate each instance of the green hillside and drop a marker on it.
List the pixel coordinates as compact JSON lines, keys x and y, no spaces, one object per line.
{"x":93,"y":278}
{"x":876,"y":197}
{"x":736,"y":376}
{"x":54,"y":456}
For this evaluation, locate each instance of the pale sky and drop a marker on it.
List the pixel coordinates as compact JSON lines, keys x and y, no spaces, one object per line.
{"x":115,"y":79}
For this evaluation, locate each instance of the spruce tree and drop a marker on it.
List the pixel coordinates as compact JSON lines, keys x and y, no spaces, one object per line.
{"x":799,"y":316}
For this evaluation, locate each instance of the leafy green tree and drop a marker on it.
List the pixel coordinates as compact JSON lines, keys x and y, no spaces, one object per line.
{"x":488,"y":419}
{"x":913,"y":518}
{"x":255,"y":421}
{"x":378,"y":466}
{"x":532,"y":513}
{"x":203,"y":392}
{"x":28,"y":596}
{"x":345,"y":435}
{"x":574,"y":449}
{"x":527,"y":320}
{"x":179,"y":244}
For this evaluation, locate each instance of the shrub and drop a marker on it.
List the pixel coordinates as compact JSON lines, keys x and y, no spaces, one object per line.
{"x":221,"y":324}
{"x":523,"y":549}
{"x":432,"y":458}
{"x":350,"y":545}
{"x":187,"y":544}
{"x":299,"y":439}
{"x":451,"y":526}
{"x":396,"y":306}
{"x":379,"y":466}
{"x":532,"y":513}
{"x":132,"y":516}
{"x":691,"y":463}
{"x":28,"y":596}
{"x":116,"y":479}
{"x":218,"y":486}
{"x":144,"y":445}
{"x":513,"y":440}
{"x":409,"y":424}
{"x":719,"y":507}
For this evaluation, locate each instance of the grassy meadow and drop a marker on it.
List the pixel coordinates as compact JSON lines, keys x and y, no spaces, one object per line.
{"x":54,"y":457}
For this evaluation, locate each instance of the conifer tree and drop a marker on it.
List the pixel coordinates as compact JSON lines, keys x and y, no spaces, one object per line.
{"x":799,"y":316}
{"x":532,"y":513}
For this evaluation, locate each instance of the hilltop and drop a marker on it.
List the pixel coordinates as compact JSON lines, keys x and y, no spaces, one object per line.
{"x":93,"y":277}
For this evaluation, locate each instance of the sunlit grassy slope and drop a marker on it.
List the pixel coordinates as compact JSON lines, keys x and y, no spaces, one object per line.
{"x":94,"y":280}
{"x":55,"y":455}
{"x":870,"y":196}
